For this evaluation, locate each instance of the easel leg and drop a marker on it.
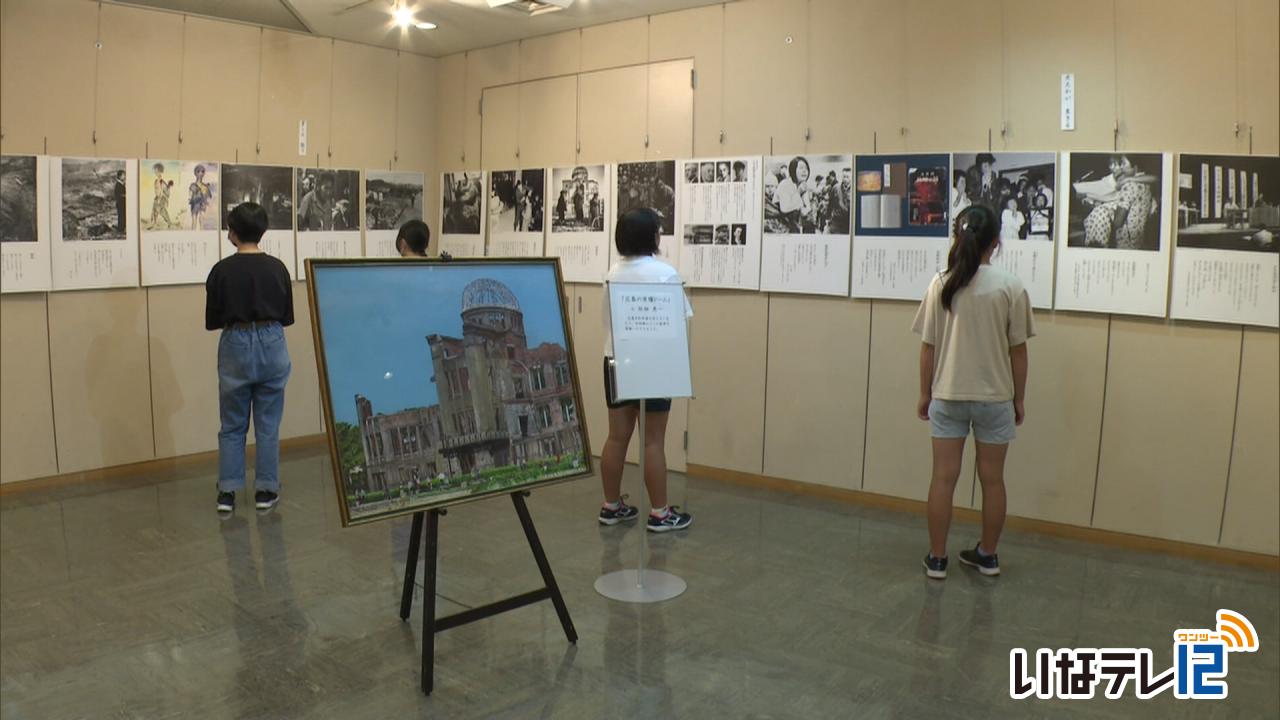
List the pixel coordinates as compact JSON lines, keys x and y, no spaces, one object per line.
{"x":429,"y":602}
{"x":543,"y":566}
{"x":411,"y":566}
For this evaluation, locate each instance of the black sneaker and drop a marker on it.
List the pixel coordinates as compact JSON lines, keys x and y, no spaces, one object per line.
{"x":265,"y":499}
{"x":226,"y":502}
{"x":673,"y":520}
{"x":622,"y":513}
{"x":935,"y":568}
{"x":985,"y":564}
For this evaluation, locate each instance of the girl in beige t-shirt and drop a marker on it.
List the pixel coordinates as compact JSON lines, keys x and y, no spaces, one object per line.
{"x":974,"y":323}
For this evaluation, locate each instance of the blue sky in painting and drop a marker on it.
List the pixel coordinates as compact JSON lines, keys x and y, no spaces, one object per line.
{"x":376,"y":319}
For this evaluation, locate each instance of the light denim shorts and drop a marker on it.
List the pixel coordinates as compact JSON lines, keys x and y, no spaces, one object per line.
{"x":993,"y":422}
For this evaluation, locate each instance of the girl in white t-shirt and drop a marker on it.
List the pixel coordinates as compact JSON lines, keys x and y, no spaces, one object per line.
{"x":637,"y":238}
{"x":974,"y":324}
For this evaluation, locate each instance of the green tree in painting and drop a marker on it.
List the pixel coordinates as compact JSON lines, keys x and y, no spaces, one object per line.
{"x":350,"y":451}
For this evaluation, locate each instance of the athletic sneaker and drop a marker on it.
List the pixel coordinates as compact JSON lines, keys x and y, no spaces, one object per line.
{"x":226,"y":502}
{"x":985,"y":564}
{"x":673,"y":520}
{"x":622,"y":513}
{"x":935,"y":568}
{"x":265,"y":499}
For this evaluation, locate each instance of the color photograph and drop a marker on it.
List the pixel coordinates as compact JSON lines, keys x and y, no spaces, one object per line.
{"x":903,"y":195}
{"x":474,"y":393}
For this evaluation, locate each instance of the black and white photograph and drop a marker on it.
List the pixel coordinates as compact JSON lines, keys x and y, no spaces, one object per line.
{"x":1229,"y":202}
{"x":698,"y":234}
{"x":807,"y":194}
{"x":738,"y":234}
{"x":739,"y":171}
{"x":328,"y":200}
{"x":18,"y":198}
{"x":1017,"y":187}
{"x":515,"y":200}
{"x":649,"y":185}
{"x":722,"y":235}
{"x":707,"y":172}
{"x":95,"y":199}
{"x":462,"y":193}
{"x":577,"y":199}
{"x":1115,"y":201}
{"x":391,"y":198}
{"x":691,"y":172}
{"x":270,"y":186}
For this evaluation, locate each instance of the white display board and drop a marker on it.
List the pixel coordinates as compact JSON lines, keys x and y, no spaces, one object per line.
{"x":649,"y":322}
{"x":328,"y":215}
{"x":93,"y":222}
{"x":808,"y":201}
{"x":517,"y":211}
{"x":1226,"y":266}
{"x":1114,"y":247}
{"x":718,"y":221}
{"x":178,"y":220}
{"x":1020,"y":188}
{"x":270,"y":186}
{"x":25,"y":265}
{"x":462,"y":213}
{"x":902,"y":227}
{"x":650,"y":184}
{"x":391,"y":199}
{"x":578,"y":221}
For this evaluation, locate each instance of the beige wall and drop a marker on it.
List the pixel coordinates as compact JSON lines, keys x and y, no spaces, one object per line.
{"x":1147,"y":427}
{"x":99,"y":378}
{"x":1133,"y":425}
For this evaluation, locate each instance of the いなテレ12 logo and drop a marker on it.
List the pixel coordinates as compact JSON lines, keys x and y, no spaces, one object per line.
{"x":1199,"y":669}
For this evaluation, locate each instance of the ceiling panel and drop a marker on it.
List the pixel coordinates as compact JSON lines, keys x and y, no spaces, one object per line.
{"x":462,"y":24}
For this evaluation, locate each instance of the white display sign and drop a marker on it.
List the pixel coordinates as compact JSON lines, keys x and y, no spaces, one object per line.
{"x":94,"y":222}
{"x":718,"y":221}
{"x":902,"y":227}
{"x":1226,"y":266}
{"x":178,"y":215}
{"x":808,"y":207}
{"x":25,"y":265}
{"x":577,"y":220}
{"x":517,"y":200}
{"x":1068,"y":101}
{"x":1114,"y":246}
{"x":649,"y":323}
{"x":462,"y":213}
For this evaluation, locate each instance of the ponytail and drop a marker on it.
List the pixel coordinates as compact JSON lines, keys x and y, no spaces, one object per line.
{"x":976,"y":229}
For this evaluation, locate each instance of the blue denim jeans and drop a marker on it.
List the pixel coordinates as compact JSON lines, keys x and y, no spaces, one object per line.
{"x":253,"y":367}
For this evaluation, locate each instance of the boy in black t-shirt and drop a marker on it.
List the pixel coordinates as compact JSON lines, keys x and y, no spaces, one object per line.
{"x":249,"y":296}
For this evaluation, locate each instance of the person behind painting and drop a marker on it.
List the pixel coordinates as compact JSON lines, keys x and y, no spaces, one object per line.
{"x":1011,"y":221}
{"x":200,"y":195}
{"x":160,"y":202}
{"x":636,"y":239}
{"x":792,"y":201}
{"x":413,"y":238}
{"x":974,"y":324}
{"x":121,"y":195}
{"x":249,"y":297}
{"x":315,"y":212}
{"x":1120,"y":220}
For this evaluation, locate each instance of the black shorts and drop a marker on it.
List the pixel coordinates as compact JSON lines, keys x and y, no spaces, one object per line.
{"x":651,"y":404}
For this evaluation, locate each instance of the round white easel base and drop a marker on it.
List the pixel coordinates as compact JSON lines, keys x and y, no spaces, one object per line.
{"x":626,"y":586}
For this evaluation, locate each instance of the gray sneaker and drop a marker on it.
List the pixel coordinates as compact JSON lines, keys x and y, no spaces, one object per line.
{"x":673,"y":520}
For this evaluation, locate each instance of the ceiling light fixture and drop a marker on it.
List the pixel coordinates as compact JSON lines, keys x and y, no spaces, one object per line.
{"x":402,"y":16}
{"x":425,"y":25}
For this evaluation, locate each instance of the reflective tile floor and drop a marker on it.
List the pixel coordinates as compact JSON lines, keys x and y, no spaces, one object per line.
{"x":131,"y":599}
